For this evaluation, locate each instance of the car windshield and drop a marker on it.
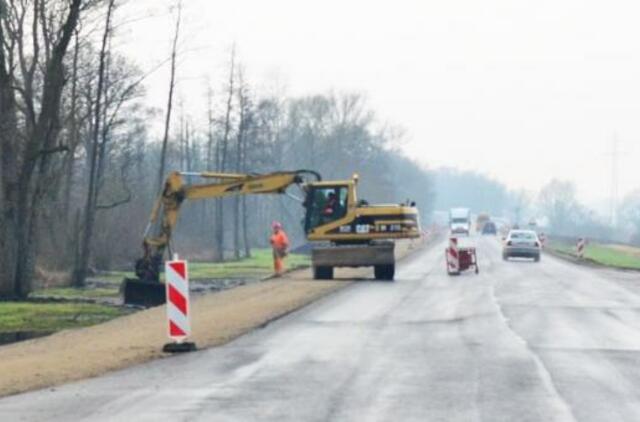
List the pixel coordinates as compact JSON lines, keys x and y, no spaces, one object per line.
{"x":460,"y":220}
{"x":523,"y":235}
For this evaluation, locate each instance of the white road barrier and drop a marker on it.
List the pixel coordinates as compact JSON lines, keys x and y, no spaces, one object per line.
{"x":543,"y":240}
{"x":178,"y":318}
{"x":582,"y":242}
{"x":453,"y":263}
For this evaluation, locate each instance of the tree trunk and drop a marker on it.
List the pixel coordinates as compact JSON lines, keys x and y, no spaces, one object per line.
{"x":240,"y":166}
{"x":245,"y":228}
{"x":187,"y":147}
{"x":69,"y":165}
{"x":8,"y":172}
{"x":218,"y":232}
{"x":236,"y":227}
{"x":219,"y":227}
{"x":245,"y":214}
{"x":26,"y":244}
{"x":172,"y":84}
{"x":208,"y":208}
{"x":97,"y":156}
{"x":236,"y":199}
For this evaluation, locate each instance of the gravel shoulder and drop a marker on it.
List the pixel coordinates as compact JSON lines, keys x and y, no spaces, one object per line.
{"x":218,"y":318}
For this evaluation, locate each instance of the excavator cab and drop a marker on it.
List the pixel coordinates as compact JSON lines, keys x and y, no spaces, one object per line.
{"x":335,"y":214}
{"x":325,"y":204}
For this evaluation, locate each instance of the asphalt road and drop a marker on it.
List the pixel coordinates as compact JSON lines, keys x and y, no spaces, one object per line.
{"x":518,"y":342}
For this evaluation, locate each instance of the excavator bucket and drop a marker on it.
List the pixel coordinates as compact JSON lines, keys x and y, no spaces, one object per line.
{"x":143,"y":293}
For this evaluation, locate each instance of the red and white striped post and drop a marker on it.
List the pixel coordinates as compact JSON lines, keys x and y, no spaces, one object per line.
{"x":178,"y":316}
{"x":453,"y":259}
{"x":580,"y":247}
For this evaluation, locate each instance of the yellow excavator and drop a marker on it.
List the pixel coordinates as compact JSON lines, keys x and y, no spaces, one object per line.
{"x":349,"y":232}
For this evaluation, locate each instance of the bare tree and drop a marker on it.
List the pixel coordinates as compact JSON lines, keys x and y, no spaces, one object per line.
{"x":242,"y":161}
{"x":210,"y":134}
{"x":222,"y":148}
{"x":557,"y":200}
{"x":73,"y":139}
{"x":96,"y":154}
{"x":237,"y":165}
{"x":172,"y":84}
{"x":26,"y":180}
{"x":186,"y":141}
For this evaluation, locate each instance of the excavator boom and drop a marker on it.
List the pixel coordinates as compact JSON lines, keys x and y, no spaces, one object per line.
{"x":175,"y":191}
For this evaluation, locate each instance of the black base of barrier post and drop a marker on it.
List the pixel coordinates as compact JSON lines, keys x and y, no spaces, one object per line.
{"x":187,"y":346}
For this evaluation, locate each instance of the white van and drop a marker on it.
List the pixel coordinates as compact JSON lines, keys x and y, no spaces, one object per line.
{"x":460,"y":221}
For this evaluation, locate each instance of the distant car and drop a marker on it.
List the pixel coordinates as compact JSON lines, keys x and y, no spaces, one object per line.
{"x":489,"y":228}
{"x":521,"y":244}
{"x":482,"y":219}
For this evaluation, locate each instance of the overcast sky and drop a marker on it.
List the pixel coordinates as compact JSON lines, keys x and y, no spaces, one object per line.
{"x":523,"y":91}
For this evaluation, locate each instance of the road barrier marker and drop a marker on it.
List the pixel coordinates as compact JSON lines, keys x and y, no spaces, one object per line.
{"x":580,"y":247}
{"x":178,"y":317}
{"x":453,"y":259}
{"x":543,"y":240}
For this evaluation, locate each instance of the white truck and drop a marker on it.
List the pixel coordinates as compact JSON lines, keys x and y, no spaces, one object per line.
{"x":460,"y":221}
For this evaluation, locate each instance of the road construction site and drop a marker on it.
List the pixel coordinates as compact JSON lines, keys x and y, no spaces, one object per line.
{"x":132,"y":339}
{"x":525,"y":341}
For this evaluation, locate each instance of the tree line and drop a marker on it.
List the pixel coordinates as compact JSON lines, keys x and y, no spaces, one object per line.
{"x":555,"y":207}
{"x":567,"y":216}
{"x":80,"y":166}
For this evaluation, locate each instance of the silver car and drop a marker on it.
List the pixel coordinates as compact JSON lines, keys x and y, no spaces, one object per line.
{"x":521,"y":244}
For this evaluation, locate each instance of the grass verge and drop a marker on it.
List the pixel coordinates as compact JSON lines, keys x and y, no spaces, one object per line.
{"x":26,"y":316}
{"x":259,"y":265}
{"x":76,"y":293}
{"x":607,"y":255}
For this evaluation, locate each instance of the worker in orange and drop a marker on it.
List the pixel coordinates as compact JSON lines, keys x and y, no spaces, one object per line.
{"x":280,"y":245}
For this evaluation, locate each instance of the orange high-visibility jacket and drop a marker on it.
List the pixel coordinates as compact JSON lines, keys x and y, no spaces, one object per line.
{"x":280,"y":241}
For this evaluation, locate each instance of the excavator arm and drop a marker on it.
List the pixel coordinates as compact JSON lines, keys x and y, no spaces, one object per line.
{"x":164,"y":215}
